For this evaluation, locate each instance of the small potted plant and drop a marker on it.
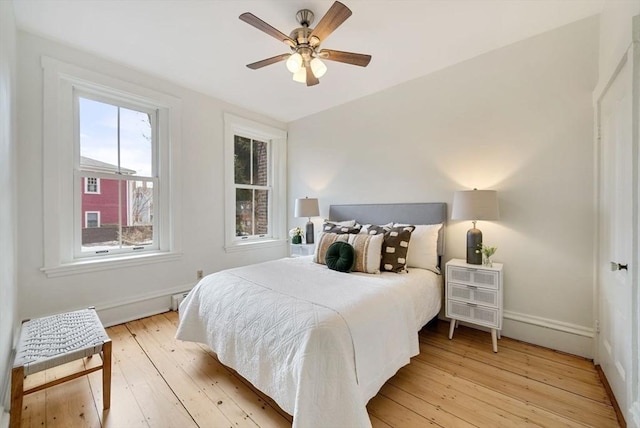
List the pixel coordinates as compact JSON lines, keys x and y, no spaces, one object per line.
{"x":487,"y":252}
{"x":296,"y":235}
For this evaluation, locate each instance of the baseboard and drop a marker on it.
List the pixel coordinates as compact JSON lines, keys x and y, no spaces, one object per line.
{"x":559,"y":335}
{"x":136,"y":307}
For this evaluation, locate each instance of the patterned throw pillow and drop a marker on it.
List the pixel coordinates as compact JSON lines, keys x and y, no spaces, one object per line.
{"x":324,"y":242}
{"x":395,"y":248}
{"x":330,"y":227}
{"x":368,"y":249}
{"x":374,"y":229}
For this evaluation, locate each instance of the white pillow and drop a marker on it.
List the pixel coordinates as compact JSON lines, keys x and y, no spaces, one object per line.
{"x":423,"y":247}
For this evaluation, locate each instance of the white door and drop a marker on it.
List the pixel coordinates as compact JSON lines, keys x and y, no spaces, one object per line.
{"x":616,"y":233}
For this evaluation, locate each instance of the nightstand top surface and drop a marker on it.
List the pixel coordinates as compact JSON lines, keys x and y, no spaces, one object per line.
{"x":463,"y":263}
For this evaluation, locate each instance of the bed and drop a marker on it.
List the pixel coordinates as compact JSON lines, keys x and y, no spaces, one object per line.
{"x":321,"y":343}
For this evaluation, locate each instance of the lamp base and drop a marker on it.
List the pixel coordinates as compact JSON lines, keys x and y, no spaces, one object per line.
{"x":309,"y":233}
{"x":474,"y":244}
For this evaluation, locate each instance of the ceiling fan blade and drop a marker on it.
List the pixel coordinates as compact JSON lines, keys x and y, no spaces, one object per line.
{"x":311,"y":78}
{"x":335,"y":16}
{"x":361,"y":60}
{"x":253,"y":20}
{"x":259,"y":64}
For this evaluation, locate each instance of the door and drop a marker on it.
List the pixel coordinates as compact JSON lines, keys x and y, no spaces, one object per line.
{"x":616,"y":198}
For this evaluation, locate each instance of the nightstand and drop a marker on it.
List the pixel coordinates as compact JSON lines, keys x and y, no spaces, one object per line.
{"x":474,"y":295}
{"x":299,"y":250}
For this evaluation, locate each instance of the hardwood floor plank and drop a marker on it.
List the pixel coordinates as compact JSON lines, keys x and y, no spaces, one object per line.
{"x":531,"y":367}
{"x":542,"y":395}
{"x":395,"y":414}
{"x":530,"y":349}
{"x":155,"y":398}
{"x":124,"y":411}
{"x":431,"y":411}
{"x":158,"y":381}
{"x":526,"y":412}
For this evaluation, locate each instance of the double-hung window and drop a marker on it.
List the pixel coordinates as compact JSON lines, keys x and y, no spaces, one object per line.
{"x":117,"y":147}
{"x":111,"y":165}
{"x":255,"y":184}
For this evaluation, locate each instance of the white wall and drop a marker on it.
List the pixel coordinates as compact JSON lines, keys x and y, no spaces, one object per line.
{"x":615,"y":39}
{"x":136,"y":291}
{"x":8,"y":204}
{"x":517,"y":120}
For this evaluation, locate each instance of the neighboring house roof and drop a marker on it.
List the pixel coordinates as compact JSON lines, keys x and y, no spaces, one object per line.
{"x":99,"y":166}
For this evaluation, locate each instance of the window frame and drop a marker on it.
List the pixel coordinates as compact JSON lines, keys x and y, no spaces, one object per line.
{"x":277,"y":141}
{"x":86,"y":186}
{"x":86,"y":218}
{"x":61,"y":159}
{"x":119,"y":102}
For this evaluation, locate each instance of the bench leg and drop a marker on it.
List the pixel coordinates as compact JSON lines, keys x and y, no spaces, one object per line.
{"x":106,"y":375}
{"x":17,"y":389}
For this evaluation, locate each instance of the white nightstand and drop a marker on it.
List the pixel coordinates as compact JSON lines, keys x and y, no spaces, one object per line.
{"x":299,"y":250}
{"x":474,"y":295}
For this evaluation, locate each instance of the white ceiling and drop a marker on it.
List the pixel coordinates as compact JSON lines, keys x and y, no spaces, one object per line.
{"x":202,"y":45}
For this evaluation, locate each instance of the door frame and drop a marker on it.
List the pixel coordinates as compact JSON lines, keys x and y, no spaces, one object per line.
{"x":632,"y":55}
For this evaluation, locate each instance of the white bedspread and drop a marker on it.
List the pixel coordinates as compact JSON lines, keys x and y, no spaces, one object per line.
{"x":320,"y":343}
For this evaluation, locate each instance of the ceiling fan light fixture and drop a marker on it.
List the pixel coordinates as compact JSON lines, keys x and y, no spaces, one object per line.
{"x":300,"y":76}
{"x":318,"y":67}
{"x":294,"y":63}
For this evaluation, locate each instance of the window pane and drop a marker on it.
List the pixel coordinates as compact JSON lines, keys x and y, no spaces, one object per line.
{"x":242,"y":160}
{"x":98,"y":135}
{"x":260,"y":163}
{"x":92,"y":220}
{"x":120,"y":216}
{"x":261,"y":212}
{"x":105,"y":206}
{"x":244,"y":212}
{"x":137,"y":228}
{"x":135,"y":143}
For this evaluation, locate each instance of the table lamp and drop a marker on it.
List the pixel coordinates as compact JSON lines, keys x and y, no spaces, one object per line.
{"x":475,"y":205}
{"x":307,"y":207}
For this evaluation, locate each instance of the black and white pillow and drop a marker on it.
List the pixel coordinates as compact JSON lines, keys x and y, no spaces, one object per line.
{"x":395,"y":249}
{"x":331,"y":227}
{"x":374,"y":229}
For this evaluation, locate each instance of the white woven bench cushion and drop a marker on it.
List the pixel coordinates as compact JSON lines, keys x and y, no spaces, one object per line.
{"x":51,"y":341}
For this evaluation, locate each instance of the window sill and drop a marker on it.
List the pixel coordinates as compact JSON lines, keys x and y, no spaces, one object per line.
{"x":255,"y":245}
{"x":95,"y":265}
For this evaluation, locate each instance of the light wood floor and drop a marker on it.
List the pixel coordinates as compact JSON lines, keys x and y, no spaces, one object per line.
{"x":161,"y":382}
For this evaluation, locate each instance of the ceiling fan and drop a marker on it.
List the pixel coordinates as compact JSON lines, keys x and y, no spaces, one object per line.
{"x":305,"y":60}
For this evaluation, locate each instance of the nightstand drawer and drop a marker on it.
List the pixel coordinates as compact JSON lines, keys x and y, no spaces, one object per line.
{"x":472,"y":276}
{"x":472,"y":294}
{"x":471,"y":312}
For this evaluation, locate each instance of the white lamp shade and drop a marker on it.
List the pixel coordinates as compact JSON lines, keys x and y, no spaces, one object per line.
{"x":300,"y":76}
{"x":294,"y":62}
{"x":318,"y":67}
{"x":475,"y":205}
{"x":307,"y":207}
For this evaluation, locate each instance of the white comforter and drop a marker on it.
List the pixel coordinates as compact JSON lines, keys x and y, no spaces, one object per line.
{"x":320,"y":343}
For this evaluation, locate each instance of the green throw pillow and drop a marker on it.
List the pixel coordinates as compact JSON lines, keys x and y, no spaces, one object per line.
{"x":341,"y":256}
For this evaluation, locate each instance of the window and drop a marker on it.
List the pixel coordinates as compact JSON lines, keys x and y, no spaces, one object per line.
{"x":117,"y":146}
{"x":111,"y":165}
{"x":91,"y":219}
{"x":91,"y":185}
{"x":255,"y":181}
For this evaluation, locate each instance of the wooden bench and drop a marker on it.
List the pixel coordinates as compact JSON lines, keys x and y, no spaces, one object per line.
{"x":55,"y":340}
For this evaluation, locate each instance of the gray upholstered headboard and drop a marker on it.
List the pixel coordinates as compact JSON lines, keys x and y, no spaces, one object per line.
{"x":411,"y":213}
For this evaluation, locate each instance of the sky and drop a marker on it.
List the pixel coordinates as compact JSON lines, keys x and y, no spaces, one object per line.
{"x":99,"y":133}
